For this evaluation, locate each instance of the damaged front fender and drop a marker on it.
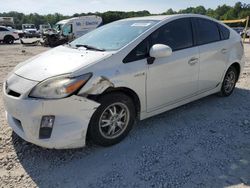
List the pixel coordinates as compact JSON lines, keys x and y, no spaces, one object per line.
{"x":97,"y":86}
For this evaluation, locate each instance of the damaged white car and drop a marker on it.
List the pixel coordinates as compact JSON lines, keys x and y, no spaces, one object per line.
{"x":100,"y":83}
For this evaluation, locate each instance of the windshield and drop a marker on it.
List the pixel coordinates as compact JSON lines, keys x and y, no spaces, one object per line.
{"x":115,"y":35}
{"x":45,"y":26}
{"x":58,"y":27}
{"x":29,"y":26}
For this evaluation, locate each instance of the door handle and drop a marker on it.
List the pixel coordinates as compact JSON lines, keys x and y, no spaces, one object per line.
{"x":224,"y":50}
{"x":193,"y":61}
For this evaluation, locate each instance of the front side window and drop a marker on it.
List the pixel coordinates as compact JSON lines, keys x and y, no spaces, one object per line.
{"x":176,"y":34}
{"x":207,"y":31}
{"x":115,"y":35}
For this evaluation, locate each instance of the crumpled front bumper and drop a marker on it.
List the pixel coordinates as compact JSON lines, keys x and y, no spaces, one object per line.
{"x":72,"y":116}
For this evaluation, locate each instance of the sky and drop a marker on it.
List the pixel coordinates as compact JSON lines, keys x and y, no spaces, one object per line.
{"x":69,"y":7}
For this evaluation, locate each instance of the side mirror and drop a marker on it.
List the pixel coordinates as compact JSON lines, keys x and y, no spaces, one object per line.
{"x":160,"y":50}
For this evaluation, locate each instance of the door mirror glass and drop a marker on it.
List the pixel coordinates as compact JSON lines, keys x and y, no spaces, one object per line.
{"x":160,"y":50}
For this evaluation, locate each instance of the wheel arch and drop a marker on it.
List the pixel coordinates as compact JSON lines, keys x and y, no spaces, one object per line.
{"x":6,"y":36}
{"x":127,"y":91}
{"x":237,"y":66}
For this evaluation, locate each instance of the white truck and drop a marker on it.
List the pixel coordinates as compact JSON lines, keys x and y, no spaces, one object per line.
{"x":29,"y":30}
{"x":78,"y":26}
{"x":7,"y":21}
{"x":69,"y":29}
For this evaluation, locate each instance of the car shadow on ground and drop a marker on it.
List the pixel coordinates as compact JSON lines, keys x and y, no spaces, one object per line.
{"x":202,"y":144}
{"x":4,"y":44}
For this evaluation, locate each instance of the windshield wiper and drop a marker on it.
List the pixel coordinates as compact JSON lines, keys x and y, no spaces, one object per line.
{"x":89,"y":47}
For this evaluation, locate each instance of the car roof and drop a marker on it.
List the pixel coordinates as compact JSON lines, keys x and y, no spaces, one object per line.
{"x":156,"y":18}
{"x":166,"y":17}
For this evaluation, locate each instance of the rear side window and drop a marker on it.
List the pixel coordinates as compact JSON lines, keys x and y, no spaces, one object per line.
{"x":3,"y":29}
{"x":207,"y":31}
{"x":224,"y":32}
{"x":176,"y":34}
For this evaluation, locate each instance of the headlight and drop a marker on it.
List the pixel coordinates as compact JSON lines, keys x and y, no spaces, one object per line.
{"x":59,"y":87}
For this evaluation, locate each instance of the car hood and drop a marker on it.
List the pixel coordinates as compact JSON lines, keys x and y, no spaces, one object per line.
{"x":58,"y":61}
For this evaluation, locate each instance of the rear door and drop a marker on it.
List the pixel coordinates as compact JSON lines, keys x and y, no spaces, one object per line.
{"x":213,"y":53}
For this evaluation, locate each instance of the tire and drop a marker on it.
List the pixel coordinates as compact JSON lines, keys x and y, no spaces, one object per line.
{"x":101,"y":128}
{"x":9,"y":39}
{"x":229,"y":82}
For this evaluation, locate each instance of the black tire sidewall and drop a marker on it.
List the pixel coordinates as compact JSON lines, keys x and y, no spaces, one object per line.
{"x":223,"y":92}
{"x":9,"y":39}
{"x":106,"y":100}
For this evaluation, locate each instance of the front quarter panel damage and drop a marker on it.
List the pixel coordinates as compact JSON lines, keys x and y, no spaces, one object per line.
{"x":97,"y":86}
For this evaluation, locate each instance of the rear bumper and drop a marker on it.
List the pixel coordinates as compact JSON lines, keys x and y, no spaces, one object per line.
{"x":72,"y":116}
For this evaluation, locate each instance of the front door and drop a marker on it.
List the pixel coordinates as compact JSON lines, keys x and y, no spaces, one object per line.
{"x":173,"y":78}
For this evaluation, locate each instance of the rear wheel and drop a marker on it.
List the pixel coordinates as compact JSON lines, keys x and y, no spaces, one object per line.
{"x":113,"y":119}
{"x":9,"y":39}
{"x":229,"y":82}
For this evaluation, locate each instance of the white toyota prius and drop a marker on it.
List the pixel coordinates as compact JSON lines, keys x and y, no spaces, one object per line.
{"x":96,"y":86}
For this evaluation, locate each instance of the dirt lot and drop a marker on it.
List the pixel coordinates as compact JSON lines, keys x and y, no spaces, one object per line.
{"x":202,"y":144}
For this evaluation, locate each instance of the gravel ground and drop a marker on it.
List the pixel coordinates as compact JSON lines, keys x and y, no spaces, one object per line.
{"x":203,"y":144}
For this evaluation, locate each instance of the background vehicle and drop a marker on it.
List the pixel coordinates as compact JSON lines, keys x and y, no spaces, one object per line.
{"x":238,"y":29}
{"x":43,"y":28}
{"x":78,"y":26}
{"x":8,"y":35}
{"x":7,"y":21}
{"x":67,"y":30}
{"x":247,"y":33}
{"x":29,"y":30}
{"x":97,"y":85}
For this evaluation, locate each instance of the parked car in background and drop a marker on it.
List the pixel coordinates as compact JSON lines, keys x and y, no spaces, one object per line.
{"x":97,"y":85}
{"x":8,"y":35}
{"x":247,"y":33}
{"x":29,"y":30}
{"x":238,"y":29}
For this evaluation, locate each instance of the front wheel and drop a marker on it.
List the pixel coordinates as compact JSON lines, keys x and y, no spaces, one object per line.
{"x":112,"y":120}
{"x":229,"y":82}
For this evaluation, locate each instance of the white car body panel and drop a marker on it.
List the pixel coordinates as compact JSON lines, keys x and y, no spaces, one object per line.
{"x":213,"y":60}
{"x":167,"y":83}
{"x":172,"y":78}
{"x":60,"y":60}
